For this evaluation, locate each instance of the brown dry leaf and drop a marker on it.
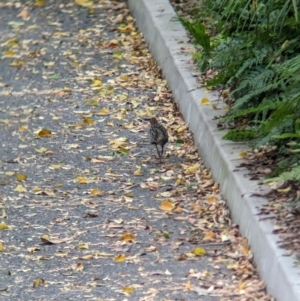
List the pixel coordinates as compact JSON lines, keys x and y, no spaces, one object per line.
{"x":199,"y":251}
{"x":3,"y":226}
{"x":46,"y":239}
{"x":39,"y":282}
{"x":205,"y":101}
{"x":21,"y":177}
{"x":33,"y":249}
{"x":128,"y":237}
{"x":79,"y":267}
{"x":211,"y":236}
{"x":166,"y":205}
{"x":24,"y":14}
{"x":112,"y":44}
{"x":212,"y":199}
{"x":44,"y":133}
{"x":61,"y":254}
{"x":188,"y":286}
{"x":92,"y":214}
{"x":128,"y":290}
{"x":120,"y":258}
{"x":20,"y":188}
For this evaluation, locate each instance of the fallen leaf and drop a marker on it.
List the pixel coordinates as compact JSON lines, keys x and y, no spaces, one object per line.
{"x":39,"y":282}
{"x":128,"y":237}
{"x":21,"y":177}
{"x":166,"y":205}
{"x":46,"y":239}
{"x":205,"y":101}
{"x":199,"y":251}
{"x":209,"y":236}
{"x":44,"y":133}
{"x":3,"y":226}
{"x":120,"y":258}
{"x":20,"y":188}
{"x":128,"y":290}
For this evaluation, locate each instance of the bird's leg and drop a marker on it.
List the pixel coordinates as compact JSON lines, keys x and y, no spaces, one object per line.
{"x":157,"y":151}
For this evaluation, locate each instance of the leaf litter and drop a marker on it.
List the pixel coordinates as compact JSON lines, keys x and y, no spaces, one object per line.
{"x":90,"y":213}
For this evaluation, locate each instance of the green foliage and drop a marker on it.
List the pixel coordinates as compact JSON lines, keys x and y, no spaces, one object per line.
{"x":255,"y":48}
{"x":239,"y":135}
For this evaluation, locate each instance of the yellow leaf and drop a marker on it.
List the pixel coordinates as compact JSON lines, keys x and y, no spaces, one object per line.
{"x":17,"y":64}
{"x":44,"y":133}
{"x":284,"y":190}
{"x":84,"y":3}
{"x":199,"y":251}
{"x":56,"y":166}
{"x":116,"y":143}
{"x":120,"y":258}
{"x":83,"y":246}
{"x":3,"y":226}
{"x":192,"y":169}
{"x":40,"y":150}
{"x":40,"y":3}
{"x":180,"y":181}
{"x":23,"y":128}
{"x":138,"y":172}
{"x":9,"y":53}
{"x":103,"y":112}
{"x":1,"y":248}
{"x":209,"y":236}
{"x":128,"y":290}
{"x":166,"y":205}
{"x":205,"y":101}
{"x":21,"y":177}
{"x":81,"y":180}
{"x":20,"y":188}
{"x":12,"y":42}
{"x":243,"y":155}
{"x":96,"y":83}
{"x":128,"y":126}
{"x":149,"y":112}
{"x":128,"y":237}
{"x":39,"y":282}
{"x":88,"y":121}
{"x":96,"y":191}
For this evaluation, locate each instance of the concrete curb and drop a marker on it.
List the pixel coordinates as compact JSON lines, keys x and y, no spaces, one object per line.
{"x":165,"y":37}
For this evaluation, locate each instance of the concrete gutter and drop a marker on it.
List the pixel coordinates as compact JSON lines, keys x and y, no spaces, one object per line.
{"x":165,"y":37}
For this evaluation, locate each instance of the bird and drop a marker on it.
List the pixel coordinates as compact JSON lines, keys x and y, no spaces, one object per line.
{"x":158,"y":135}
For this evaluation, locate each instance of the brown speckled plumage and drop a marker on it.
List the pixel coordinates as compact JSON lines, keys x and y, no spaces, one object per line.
{"x":158,"y":135}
